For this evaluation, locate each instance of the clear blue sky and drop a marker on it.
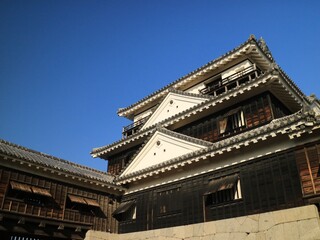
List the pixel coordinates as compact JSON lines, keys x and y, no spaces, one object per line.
{"x":67,"y":66}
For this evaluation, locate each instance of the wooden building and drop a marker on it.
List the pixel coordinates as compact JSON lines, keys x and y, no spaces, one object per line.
{"x":43,"y":197}
{"x":234,"y":137}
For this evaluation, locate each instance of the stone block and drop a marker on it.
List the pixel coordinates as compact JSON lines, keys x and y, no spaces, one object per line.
{"x":198,"y":230}
{"x":248,"y":225}
{"x":307,"y":226}
{"x":237,"y":236}
{"x":221,"y":236}
{"x":211,"y":237}
{"x":275,"y":232}
{"x":226,"y":225}
{"x":265,"y":221}
{"x":166,"y":232}
{"x":261,"y":236}
{"x":291,"y":230}
{"x":251,"y":236}
{"x":178,"y":232}
{"x":188,"y":231}
{"x":209,"y":228}
{"x":301,"y":213}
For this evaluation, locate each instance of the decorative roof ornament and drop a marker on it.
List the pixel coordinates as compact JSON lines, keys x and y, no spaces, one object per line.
{"x":262,"y":44}
{"x":314,"y":104}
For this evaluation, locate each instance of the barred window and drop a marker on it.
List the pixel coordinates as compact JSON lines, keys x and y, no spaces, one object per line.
{"x":223,"y":190}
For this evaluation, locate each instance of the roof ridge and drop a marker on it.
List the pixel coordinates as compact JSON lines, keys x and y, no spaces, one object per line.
{"x":183,"y":136}
{"x":149,"y":129}
{"x":173,"y":90}
{"x":170,"y":85}
{"x":51,"y":157}
{"x":161,"y":129}
{"x":224,"y":143}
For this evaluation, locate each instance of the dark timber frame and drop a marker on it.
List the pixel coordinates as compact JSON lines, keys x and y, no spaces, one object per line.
{"x":266,"y":184}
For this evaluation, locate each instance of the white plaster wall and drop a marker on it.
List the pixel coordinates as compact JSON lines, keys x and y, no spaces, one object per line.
{"x":142,"y":115}
{"x":196,"y":89}
{"x":300,"y":223}
{"x":172,"y":105}
{"x":269,"y":146}
{"x":160,"y":148}
{"x":239,"y":67}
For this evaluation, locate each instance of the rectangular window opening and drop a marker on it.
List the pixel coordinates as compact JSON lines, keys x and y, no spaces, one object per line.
{"x":223,"y":190}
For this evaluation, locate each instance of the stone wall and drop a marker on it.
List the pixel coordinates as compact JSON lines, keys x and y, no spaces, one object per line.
{"x":296,"y":223}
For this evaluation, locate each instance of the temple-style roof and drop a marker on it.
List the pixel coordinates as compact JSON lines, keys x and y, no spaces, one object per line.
{"x":162,"y":145}
{"x":294,"y":126}
{"x":257,"y":49}
{"x":273,"y":80}
{"x":16,"y":152}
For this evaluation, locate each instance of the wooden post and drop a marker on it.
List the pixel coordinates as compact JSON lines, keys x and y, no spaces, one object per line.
{"x":310,"y":172}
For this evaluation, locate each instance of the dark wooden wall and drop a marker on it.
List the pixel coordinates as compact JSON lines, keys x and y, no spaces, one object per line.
{"x":257,"y":111}
{"x":279,"y":181}
{"x":308,"y":159}
{"x":99,"y":218}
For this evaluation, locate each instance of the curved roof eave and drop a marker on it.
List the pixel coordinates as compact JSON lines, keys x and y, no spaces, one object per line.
{"x":244,"y":48}
{"x":211,"y":102}
{"x":293,"y":125}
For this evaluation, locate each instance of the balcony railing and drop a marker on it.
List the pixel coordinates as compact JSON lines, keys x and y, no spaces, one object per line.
{"x":234,"y":80}
{"x":133,"y":127}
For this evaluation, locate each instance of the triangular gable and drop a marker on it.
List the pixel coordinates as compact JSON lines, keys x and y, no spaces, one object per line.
{"x":173,"y":104}
{"x":161,"y":147}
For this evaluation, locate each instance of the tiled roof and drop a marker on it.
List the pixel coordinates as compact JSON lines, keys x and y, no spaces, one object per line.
{"x":161,"y":129}
{"x":273,"y":69}
{"x":293,"y":125}
{"x":190,"y":94}
{"x":45,"y":160}
{"x":265,"y":50}
{"x":212,"y":101}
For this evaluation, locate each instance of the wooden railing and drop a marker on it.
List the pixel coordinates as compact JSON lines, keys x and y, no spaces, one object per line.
{"x":29,"y":209}
{"x":232,"y":81}
{"x":133,"y":127}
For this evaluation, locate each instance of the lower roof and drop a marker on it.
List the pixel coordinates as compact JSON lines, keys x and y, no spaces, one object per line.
{"x":49,"y":162}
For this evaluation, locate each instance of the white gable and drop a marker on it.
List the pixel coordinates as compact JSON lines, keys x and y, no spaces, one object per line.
{"x":160,"y":148}
{"x":171,"y":105}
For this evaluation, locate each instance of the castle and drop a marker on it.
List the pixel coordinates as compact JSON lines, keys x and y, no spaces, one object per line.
{"x":233,"y":138}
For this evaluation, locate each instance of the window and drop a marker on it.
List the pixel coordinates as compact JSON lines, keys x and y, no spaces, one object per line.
{"x":168,"y":201}
{"x":223,"y":190}
{"x":84,"y":205}
{"x":29,"y":194}
{"x":126,"y":211}
{"x":231,"y":121}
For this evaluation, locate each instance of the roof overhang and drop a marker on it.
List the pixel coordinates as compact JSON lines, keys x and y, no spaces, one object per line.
{"x":249,"y":49}
{"x":293,"y":126}
{"x":274,"y":80}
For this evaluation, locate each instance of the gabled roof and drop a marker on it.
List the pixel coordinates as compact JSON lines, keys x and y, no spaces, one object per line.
{"x":162,"y":146}
{"x":294,"y":126}
{"x":257,"y":49}
{"x":173,"y":103}
{"x":274,"y":80}
{"x":46,"y":161}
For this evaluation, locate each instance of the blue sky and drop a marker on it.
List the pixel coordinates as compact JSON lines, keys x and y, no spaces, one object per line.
{"x":67,"y":66}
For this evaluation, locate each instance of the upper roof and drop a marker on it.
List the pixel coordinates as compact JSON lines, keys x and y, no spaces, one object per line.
{"x":258,"y":50}
{"x":174,"y":103}
{"x":273,"y":80}
{"x":50,"y":162}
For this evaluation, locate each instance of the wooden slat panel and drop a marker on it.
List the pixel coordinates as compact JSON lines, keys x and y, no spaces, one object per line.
{"x":20,"y":187}
{"x":41,"y":191}
{"x":92,"y":202}
{"x":77,"y":199}
{"x":308,"y":165}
